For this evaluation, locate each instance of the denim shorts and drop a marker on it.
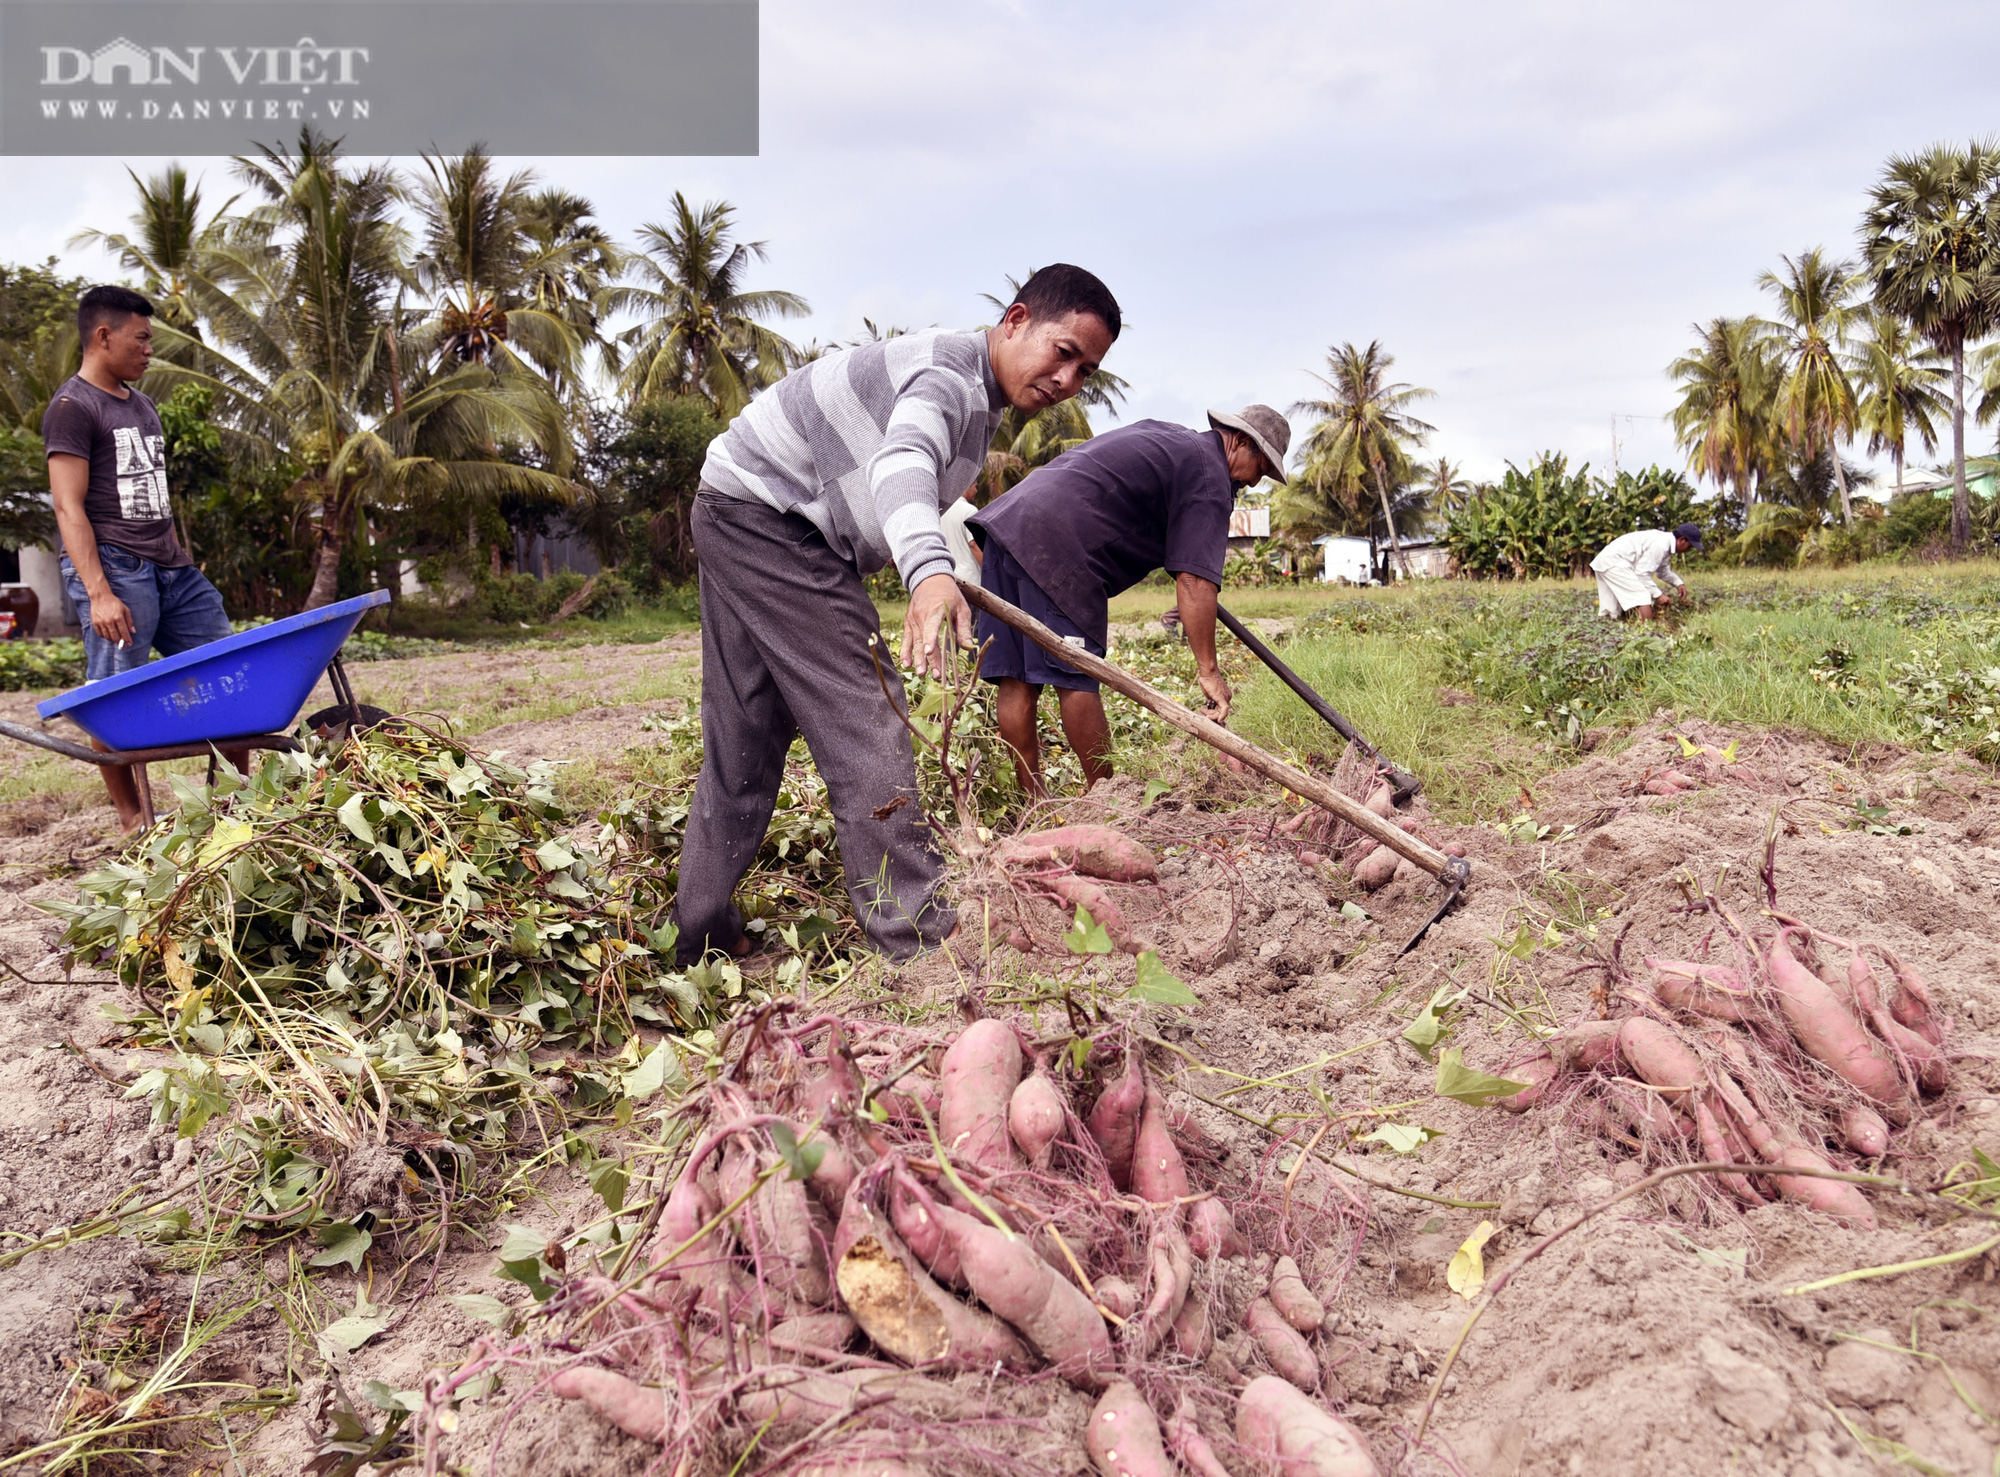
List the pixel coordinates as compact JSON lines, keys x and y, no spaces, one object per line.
{"x":1013,"y":655}
{"x":173,"y":610}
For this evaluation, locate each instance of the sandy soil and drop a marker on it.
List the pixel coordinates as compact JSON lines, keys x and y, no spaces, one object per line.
{"x":1621,"y":1351}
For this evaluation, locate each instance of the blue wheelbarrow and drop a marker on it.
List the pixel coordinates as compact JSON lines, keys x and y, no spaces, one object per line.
{"x":242,"y":692}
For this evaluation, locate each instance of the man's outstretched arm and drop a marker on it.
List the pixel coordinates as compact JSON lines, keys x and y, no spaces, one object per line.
{"x":1197,"y":601}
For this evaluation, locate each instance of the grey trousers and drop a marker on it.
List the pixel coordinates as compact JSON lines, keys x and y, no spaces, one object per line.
{"x":785,"y":624}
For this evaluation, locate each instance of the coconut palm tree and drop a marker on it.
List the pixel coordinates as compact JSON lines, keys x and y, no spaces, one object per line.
{"x":1900,"y":382}
{"x":307,"y":360}
{"x":509,"y":270}
{"x":1364,"y":434}
{"x":1816,"y":404}
{"x":569,"y":259}
{"x":702,"y":332}
{"x":1932,"y":246}
{"x":1445,"y":487}
{"x":1727,"y":386}
{"x":167,"y":238}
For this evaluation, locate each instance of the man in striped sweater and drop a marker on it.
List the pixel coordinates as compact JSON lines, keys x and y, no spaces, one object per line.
{"x":844,"y":467}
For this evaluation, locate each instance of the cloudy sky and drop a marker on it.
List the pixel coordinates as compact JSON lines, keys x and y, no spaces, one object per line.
{"x":1528,"y":203}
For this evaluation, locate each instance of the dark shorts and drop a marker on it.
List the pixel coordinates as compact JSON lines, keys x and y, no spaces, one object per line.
{"x":173,"y":610}
{"x":1014,"y":655}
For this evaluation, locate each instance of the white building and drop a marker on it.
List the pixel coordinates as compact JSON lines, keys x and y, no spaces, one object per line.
{"x":1343,"y":559}
{"x":1348,"y":560}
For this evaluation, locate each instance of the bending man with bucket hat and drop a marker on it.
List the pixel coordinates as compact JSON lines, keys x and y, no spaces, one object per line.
{"x":1629,"y":567}
{"x":1093,"y":523}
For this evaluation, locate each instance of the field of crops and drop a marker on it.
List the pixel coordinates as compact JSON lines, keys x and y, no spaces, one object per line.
{"x":359,"y":1119}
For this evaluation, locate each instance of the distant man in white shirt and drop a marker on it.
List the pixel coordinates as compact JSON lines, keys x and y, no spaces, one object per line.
{"x":1630,"y":567}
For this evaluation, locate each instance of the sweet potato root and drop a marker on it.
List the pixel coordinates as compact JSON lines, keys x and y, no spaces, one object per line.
{"x":833,"y":1175}
{"x":1049,"y":1311}
{"x":1830,"y":1197}
{"x":632,"y":1407}
{"x":1686,"y":994}
{"x":976,"y":1084}
{"x":1173,"y":1275}
{"x":1717,"y":1143}
{"x":785,"y":1397}
{"x":1114,"y":1120}
{"x":1375,"y":870}
{"x":913,"y":1212}
{"x":859,"y":1466}
{"x":1293,"y":1299}
{"x":1095,"y":851}
{"x":1917,"y":1057}
{"x":1707,"y":989}
{"x":1828,"y":1030}
{"x":1278,"y":1423}
{"x":1185,"y":1440}
{"x":1193,"y":1328}
{"x":1591,"y":1046}
{"x":1035,"y":1118}
{"x":1120,"y":1296}
{"x":1537,"y":1071}
{"x":815,"y":1335}
{"x":793,"y":1232}
{"x":1912,"y":1004}
{"x":909,"y":1317}
{"x":1289,"y":1354}
{"x":1775,"y":1146}
{"x":836,"y":1090}
{"x":689,"y":1207}
{"x":1660,"y":1057}
{"x":1212,"y":1230}
{"x":1863,"y":1131}
{"x":1158,"y":1175}
{"x":1081,"y":892}
{"x":1715,"y":976}
{"x":1123,"y":1436}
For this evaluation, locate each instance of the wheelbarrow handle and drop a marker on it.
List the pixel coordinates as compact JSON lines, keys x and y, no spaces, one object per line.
{"x":110,"y":758}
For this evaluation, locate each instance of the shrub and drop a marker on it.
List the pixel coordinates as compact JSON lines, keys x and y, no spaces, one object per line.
{"x":654,"y":469}
{"x":1915,"y":518}
{"x":1549,"y":520}
{"x":28,"y":665}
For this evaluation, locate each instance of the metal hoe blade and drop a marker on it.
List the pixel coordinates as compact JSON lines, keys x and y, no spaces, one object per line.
{"x":1456,"y":874}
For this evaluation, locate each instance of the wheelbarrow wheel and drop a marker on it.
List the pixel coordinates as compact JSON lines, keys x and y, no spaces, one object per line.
{"x":336,"y":718}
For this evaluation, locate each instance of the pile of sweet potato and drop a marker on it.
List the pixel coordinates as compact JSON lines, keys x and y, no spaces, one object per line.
{"x":1790,"y":1057}
{"x":1372,"y":864}
{"x":875,"y":1229}
{"x":1070,"y":867}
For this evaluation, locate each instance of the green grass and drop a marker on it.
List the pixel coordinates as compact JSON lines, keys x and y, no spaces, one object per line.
{"x":1825,"y":652}
{"x":636,"y":623}
{"x":1472,"y":762}
{"x":1752,"y":667}
{"x":1546,"y":668}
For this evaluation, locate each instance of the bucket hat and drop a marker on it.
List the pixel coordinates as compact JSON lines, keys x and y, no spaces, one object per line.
{"x":1268,"y":431}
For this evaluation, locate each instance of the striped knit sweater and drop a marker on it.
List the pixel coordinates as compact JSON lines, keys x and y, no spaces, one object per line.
{"x":871,"y":444}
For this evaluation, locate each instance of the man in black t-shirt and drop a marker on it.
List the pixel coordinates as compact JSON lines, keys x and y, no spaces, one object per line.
{"x":134,"y":586}
{"x":1094,"y":522}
